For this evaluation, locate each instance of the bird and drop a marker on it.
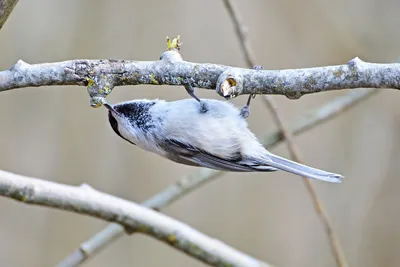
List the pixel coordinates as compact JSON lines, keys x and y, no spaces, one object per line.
{"x":216,"y":138}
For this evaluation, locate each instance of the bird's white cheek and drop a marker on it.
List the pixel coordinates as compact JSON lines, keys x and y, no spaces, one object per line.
{"x":127,"y":133}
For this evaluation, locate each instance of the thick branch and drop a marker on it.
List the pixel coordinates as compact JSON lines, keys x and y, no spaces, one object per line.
{"x":88,"y":201}
{"x":102,"y":75}
{"x":6,"y":7}
{"x":189,"y":183}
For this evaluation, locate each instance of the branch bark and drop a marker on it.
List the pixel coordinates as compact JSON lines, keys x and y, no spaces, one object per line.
{"x":101,"y":76}
{"x":187,"y":184}
{"x":86,"y":200}
{"x":6,"y":7}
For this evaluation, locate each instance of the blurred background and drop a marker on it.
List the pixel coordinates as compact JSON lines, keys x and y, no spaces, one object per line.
{"x":53,"y":133}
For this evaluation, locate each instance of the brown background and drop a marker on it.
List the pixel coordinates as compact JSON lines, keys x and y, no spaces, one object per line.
{"x":52,"y":133}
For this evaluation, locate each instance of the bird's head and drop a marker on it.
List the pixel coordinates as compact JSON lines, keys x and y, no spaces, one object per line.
{"x":130,"y":119}
{"x":118,"y":121}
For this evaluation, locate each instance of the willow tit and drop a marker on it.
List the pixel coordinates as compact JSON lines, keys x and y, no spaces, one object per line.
{"x":218,"y":138}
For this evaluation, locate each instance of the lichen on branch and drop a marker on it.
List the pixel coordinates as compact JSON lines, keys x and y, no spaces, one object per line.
{"x":101,"y":76}
{"x":88,"y":201}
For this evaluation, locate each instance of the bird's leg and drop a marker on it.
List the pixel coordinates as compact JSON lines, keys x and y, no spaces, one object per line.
{"x":189,"y":88}
{"x":245,"y":111}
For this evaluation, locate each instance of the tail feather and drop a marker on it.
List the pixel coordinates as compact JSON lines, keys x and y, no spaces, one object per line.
{"x":303,"y":170}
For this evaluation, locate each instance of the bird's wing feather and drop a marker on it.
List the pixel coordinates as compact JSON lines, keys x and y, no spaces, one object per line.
{"x":186,"y":154}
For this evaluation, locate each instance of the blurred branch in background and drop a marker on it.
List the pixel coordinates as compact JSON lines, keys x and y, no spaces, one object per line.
{"x":337,"y":249}
{"x":162,"y":199}
{"x":187,"y":184}
{"x":294,"y":150}
{"x":6,"y":7}
{"x":86,"y":200}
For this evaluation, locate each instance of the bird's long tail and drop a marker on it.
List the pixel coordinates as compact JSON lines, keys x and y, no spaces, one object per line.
{"x":303,"y":170}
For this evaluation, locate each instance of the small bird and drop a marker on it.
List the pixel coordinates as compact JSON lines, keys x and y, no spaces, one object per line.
{"x":218,"y":138}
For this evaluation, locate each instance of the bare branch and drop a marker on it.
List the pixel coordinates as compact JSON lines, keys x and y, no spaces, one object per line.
{"x":88,"y":201}
{"x":288,"y":135}
{"x":101,"y":76}
{"x":162,"y":199}
{"x":6,"y":7}
{"x":187,"y":184}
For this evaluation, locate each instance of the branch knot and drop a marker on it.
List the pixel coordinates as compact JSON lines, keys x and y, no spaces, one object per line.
{"x":19,"y":66}
{"x":99,"y":87}
{"x":230,"y":83}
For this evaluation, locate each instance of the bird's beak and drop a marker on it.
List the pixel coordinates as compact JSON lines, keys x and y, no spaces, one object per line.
{"x":110,"y":108}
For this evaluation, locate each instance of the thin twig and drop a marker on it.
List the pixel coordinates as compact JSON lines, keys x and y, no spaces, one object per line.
{"x":86,"y":200}
{"x":6,"y":7}
{"x":187,"y":184}
{"x":241,"y":33}
{"x":318,"y":206}
{"x":292,"y":147}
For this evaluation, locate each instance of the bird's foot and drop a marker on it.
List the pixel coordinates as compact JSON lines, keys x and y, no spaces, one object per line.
{"x":245,"y":112}
{"x":203,"y":107}
{"x":189,"y":88}
{"x":258,"y":67}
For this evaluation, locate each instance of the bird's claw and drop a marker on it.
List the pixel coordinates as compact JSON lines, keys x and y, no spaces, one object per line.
{"x":245,"y":112}
{"x":189,"y":88}
{"x":203,"y":106}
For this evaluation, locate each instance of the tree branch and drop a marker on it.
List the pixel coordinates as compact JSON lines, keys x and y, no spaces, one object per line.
{"x":6,"y":7}
{"x":101,"y":76}
{"x":162,"y":199}
{"x":86,"y":200}
{"x":288,"y":135}
{"x":188,"y":183}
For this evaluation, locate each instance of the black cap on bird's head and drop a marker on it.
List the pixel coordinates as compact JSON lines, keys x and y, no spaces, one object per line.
{"x":112,"y":114}
{"x":116,"y":115}
{"x":130,"y":117}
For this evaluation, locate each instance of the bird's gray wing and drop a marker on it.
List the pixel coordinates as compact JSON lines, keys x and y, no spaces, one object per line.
{"x":190,"y":155}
